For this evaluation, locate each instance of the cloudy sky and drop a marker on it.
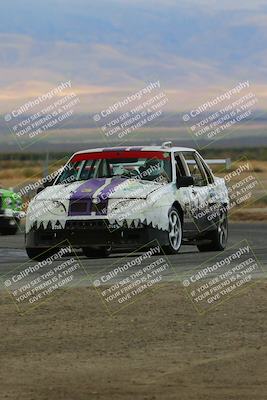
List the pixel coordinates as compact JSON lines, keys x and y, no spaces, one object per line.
{"x":111,"y":48}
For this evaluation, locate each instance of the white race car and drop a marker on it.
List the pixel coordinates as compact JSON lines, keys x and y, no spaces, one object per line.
{"x":125,"y":197}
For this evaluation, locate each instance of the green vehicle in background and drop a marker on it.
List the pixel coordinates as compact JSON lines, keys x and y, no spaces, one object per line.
{"x":10,"y":210}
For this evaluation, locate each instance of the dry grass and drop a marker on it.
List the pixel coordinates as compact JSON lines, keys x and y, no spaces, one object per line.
{"x":14,"y":173}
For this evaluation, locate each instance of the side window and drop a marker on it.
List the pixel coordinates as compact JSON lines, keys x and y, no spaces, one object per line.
{"x":87,"y":170}
{"x":180,"y":171}
{"x":196,"y":169}
{"x":102,"y":169}
{"x":70,"y":172}
{"x":206,"y":169}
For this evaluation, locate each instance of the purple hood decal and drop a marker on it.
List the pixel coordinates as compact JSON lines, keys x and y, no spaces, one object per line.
{"x":87,"y":189}
{"x":81,"y":198}
{"x":109,"y":189}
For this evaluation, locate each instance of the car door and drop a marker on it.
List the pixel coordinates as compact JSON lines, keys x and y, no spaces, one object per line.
{"x":200,"y":192}
{"x":214,"y":200}
{"x":185,"y":197}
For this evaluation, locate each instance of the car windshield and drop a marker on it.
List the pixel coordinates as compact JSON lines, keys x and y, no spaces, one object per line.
{"x":143,"y":165}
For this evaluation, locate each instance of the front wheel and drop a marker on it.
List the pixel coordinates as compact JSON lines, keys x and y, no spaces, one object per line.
{"x":38,"y":254}
{"x":218,"y":238}
{"x":175,"y":232}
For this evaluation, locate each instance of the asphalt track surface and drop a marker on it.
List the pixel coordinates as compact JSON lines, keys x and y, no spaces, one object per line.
{"x":13,"y":255}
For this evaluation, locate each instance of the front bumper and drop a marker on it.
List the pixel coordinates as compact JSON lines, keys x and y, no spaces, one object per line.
{"x":82,"y":233}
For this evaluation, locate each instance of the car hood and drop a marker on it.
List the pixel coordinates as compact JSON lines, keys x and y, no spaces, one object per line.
{"x":101,"y":189}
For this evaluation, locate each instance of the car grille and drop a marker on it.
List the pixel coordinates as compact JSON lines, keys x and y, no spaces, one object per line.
{"x":80,"y":224}
{"x":79,"y":207}
{"x":82,"y":207}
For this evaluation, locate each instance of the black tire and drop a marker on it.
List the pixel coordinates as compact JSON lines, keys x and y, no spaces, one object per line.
{"x":100,"y":252}
{"x":175,"y":234}
{"x":12,"y":230}
{"x":38,"y":254}
{"x":218,"y":237}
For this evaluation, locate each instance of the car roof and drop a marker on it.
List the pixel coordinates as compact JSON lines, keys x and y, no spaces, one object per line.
{"x":172,"y":149}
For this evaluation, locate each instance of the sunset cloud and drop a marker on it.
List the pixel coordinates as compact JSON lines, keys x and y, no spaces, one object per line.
{"x":109,"y":50}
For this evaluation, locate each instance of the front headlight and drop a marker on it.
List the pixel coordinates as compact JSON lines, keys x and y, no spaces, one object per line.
{"x":54,"y":207}
{"x":44,"y":209}
{"x":127,"y":208}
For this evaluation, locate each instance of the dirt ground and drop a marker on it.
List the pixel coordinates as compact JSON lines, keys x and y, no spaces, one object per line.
{"x":157,"y":348}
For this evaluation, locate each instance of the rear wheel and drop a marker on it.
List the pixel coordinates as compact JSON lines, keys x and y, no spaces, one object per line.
{"x":97,"y":252}
{"x":175,"y":232}
{"x":218,"y":238}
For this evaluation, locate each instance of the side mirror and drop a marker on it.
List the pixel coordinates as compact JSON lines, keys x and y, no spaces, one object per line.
{"x":50,"y":182}
{"x":184,"y":181}
{"x":39,"y":189}
{"x":46,"y":184}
